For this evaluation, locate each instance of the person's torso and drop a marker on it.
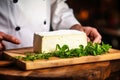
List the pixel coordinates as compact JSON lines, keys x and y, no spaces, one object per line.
{"x":24,"y":17}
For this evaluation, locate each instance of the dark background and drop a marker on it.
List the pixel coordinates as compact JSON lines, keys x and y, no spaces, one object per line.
{"x":101,"y":14}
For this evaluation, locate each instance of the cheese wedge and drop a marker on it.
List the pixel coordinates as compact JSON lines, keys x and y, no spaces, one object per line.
{"x":46,"y":41}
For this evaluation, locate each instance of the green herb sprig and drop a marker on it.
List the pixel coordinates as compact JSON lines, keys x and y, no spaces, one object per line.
{"x":65,"y":52}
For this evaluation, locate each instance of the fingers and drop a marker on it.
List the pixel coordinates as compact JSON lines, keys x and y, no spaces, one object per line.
{"x":8,"y":38}
{"x":96,"y":36}
{"x":88,"y":39}
{"x":93,"y":34}
{"x":2,"y":46}
{"x":97,"y":40}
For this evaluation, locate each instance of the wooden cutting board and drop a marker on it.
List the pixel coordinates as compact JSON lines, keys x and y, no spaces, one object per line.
{"x":55,"y":62}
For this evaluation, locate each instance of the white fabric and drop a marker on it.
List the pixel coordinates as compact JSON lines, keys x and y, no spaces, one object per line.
{"x":30,"y":16}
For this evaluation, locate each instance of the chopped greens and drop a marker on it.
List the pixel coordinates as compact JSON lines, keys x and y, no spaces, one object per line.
{"x":65,"y":52}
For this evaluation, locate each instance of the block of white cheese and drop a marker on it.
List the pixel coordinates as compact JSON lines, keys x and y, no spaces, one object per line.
{"x":46,"y":41}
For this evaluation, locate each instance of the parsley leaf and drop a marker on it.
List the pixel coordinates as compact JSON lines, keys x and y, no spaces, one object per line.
{"x":65,"y":52}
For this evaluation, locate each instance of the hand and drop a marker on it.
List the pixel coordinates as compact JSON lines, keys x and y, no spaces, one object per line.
{"x":7,"y":37}
{"x":92,"y":33}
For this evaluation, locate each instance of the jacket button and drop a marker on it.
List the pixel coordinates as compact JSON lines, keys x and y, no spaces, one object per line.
{"x":17,"y":28}
{"x":45,"y":22}
{"x":15,"y":1}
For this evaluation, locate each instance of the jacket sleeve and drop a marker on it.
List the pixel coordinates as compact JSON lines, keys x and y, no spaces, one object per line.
{"x":62,"y":16}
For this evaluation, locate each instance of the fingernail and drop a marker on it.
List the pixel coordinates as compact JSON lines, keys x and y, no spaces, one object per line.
{"x":17,"y":41}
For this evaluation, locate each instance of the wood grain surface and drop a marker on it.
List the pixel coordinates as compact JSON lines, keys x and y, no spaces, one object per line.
{"x":5,"y":63}
{"x":56,"y":62}
{"x":87,"y":71}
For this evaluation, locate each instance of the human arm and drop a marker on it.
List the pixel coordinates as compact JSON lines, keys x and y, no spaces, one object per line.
{"x":63,"y":18}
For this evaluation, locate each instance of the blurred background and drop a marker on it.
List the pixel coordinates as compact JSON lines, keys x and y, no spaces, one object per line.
{"x":101,"y":14}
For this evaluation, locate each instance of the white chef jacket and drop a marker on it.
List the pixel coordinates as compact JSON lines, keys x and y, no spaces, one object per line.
{"x":22,"y":18}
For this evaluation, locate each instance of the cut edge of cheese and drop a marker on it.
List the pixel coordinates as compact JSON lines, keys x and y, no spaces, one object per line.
{"x":47,"y":41}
